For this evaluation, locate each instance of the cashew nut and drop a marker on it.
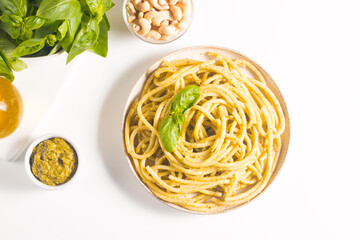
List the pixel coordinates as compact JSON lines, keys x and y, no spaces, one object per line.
{"x":168,"y":30}
{"x":156,"y":17}
{"x":143,"y":6}
{"x":131,"y":18}
{"x":174,"y":23}
{"x":145,"y":26}
{"x":182,"y":25}
{"x":165,"y":38}
{"x":135,"y":26}
{"x":173,"y":2}
{"x":164,"y":23}
{"x":153,"y":34}
{"x":184,"y":8}
{"x":130,"y":8}
{"x":155,"y":4}
{"x":140,"y":15}
{"x":176,"y":11}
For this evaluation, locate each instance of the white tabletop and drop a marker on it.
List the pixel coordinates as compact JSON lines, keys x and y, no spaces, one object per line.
{"x":310,"y":48}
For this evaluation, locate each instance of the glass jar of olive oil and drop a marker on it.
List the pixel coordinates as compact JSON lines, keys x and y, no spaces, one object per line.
{"x":11,"y":108}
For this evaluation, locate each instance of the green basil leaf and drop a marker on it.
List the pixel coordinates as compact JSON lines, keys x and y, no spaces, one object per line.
{"x":35,"y":3}
{"x":12,"y":20}
{"x":17,"y":7}
{"x":62,"y":30}
{"x":25,"y":33}
{"x":58,"y":9}
{"x":6,"y":46}
{"x":84,"y":6}
{"x":96,"y":6}
{"x":29,"y":47}
{"x":170,"y":131}
{"x":186,"y":99}
{"x":73,"y":26}
{"x":5,"y":71}
{"x":16,"y":64}
{"x":107,"y":22}
{"x":14,"y":32}
{"x":84,"y":40}
{"x":179,"y":117}
{"x":55,"y":49}
{"x":51,"y":40}
{"x":34,"y":22}
{"x":13,"y":63}
{"x":6,"y":50}
{"x":49,"y":27}
{"x":3,"y":34}
{"x":100,"y":47}
{"x":108,"y":4}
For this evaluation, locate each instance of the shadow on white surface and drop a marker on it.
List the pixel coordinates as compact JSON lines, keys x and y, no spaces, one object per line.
{"x":111,"y":144}
{"x":115,"y":16}
{"x":13,"y":177}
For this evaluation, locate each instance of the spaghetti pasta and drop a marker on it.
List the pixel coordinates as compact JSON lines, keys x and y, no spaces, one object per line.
{"x":229,"y":143}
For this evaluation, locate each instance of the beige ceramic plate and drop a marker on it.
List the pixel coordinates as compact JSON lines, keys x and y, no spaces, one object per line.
{"x":199,"y":53}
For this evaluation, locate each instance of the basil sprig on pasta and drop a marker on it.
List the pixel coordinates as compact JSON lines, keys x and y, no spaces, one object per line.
{"x":170,"y":129}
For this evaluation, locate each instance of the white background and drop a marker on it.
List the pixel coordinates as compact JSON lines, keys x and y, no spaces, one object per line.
{"x":311,"y":49}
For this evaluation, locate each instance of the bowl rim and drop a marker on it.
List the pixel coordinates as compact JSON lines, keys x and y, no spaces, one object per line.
{"x":156,"y":42}
{"x":268,"y":79}
{"x":28,"y":166}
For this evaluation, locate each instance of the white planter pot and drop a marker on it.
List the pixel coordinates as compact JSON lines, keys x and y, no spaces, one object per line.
{"x":38,"y":84}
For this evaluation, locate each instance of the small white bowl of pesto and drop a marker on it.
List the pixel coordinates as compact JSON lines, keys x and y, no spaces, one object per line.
{"x":52,"y":162}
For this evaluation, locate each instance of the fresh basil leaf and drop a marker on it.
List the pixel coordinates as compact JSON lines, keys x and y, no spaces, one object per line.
{"x":107,"y":22}
{"x":12,"y":20}
{"x":58,"y":9}
{"x":100,"y":47}
{"x":84,"y":6}
{"x":16,"y":64}
{"x":6,"y":49}
{"x":49,"y":27}
{"x":34,"y":22}
{"x":186,"y":99}
{"x":3,"y":34}
{"x":96,"y":6}
{"x":73,"y":26}
{"x":84,"y":40}
{"x":16,"y":7}
{"x":13,"y":63}
{"x":62,"y":30}
{"x":179,"y":117}
{"x":6,"y":46}
{"x":29,"y":47}
{"x":55,"y":49}
{"x":25,"y":33}
{"x":35,"y":3}
{"x":14,"y":32}
{"x":170,"y":131}
{"x":5,"y":71}
{"x":108,"y":4}
{"x":51,"y":40}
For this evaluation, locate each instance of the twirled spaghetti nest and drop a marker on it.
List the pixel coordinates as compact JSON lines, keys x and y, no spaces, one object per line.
{"x":229,"y":143}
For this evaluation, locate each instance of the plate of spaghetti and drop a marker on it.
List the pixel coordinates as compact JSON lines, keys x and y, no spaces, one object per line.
{"x":205,"y":130}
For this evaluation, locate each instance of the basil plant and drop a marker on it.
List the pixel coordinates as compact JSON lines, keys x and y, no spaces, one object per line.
{"x":45,"y":27}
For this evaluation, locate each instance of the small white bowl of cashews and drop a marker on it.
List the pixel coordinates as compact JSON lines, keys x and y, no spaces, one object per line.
{"x":158,"y":21}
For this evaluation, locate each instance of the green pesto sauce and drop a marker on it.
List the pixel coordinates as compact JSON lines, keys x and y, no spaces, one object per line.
{"x":53,"y":161}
